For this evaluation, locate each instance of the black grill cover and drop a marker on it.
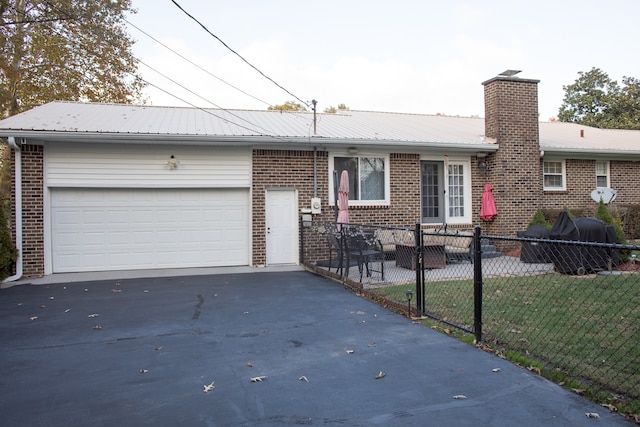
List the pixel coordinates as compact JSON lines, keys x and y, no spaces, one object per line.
{"x":534,"y":252}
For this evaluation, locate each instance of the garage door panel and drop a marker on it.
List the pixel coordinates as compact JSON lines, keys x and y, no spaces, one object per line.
{"x":115,"y":229}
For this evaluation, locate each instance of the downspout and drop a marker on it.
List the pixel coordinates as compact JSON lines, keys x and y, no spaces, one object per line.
{"x":18,"y":202}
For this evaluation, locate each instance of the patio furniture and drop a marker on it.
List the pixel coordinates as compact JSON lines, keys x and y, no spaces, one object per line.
{"x":433,"y":255}
{"x":367,"y":251}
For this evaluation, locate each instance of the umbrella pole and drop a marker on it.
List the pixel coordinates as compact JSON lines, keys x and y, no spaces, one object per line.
{"x":335,"y":193}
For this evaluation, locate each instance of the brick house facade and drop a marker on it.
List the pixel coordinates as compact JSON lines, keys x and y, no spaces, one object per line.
{"x":510,"y":143}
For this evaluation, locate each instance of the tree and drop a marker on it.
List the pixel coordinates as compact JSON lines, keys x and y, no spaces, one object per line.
{"x":288,"y":106}
{"x":594,"y":99}
{"x":75,"y":50}
{"x":333,"y":110}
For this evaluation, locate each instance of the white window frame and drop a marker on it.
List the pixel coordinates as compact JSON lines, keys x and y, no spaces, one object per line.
{"x":466,"y":176}
{"x":467,"y":199}
{"x":606,"y":173}
{"x":387,"y":182}
{"x":563,"y":175}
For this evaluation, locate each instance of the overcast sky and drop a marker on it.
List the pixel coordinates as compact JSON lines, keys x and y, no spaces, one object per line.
{"x":407,"y":56}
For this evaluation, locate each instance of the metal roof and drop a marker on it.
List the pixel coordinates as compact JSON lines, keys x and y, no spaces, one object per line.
{"x":88,"y":121}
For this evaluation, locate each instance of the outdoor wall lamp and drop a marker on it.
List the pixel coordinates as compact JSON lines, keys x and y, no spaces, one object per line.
{"x":409,"y":295}
{"x":482,"y":165}
{"x":173,"y":163}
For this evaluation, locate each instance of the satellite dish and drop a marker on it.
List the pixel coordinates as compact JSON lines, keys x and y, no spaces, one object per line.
{"x":607,"y":195}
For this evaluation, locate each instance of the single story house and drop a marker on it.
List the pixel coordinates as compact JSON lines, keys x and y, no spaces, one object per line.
{"x":101,"y":187}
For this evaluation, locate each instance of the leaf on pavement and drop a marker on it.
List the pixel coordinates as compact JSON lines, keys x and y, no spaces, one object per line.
{"x":258,"y":379}
{"x":208,"y":388}
{"x":249,"y":364}
{"x":381,"y":374}
{"x":303,"y":378}
{"x":592,"y":415}
{"x":459,"y":396}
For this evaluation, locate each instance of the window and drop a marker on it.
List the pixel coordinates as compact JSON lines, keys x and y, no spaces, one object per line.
{"x":554,"y":175}
{"x":602,"y":174}
{"x":368,"y":178}
{"x":456,"y":191}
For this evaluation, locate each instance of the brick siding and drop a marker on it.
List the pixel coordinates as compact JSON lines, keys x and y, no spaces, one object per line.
{"x":511,"y":117}
{"x":32,"y":209}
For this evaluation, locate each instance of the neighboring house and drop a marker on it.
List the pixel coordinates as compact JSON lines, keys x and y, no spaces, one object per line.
{"x":120,"y":187}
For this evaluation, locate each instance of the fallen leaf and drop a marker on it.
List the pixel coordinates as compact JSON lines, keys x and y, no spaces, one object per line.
{"x":515,"y":331}
{"x":579,"y":391}
{"x":33,"y":318}
{"x":303,"y":378}
{"x":43,"y":306}
{"x":258,"y":379}
{"x":97,"y":327}
{"x":373,"y":344}
{"x":67,"y":310}
{"x":459,"y":396}
{"x":93,"y":315}
{"x":246,"y":312}
{"x":592,"y":415}
{"x":146,"y":291}
{"x":610,"y":407}
{"x":447,"y":331}
{"x":51,"y":298}
{"x":144,"y":371}
{"x":249,"y":364}
{"x":20,"y":304}
{"x":159,"y":348}
{"x":115,"y":291}
{"x":495,"y":370}
{"x":350,"y":351}
{"x":535,"y":369}
{"x":208,"y":388}
{"x":381,"y":374}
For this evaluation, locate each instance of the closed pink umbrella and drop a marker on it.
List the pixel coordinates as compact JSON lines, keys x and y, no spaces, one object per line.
{"x":488,"y":210}
{"x":343,"y":198}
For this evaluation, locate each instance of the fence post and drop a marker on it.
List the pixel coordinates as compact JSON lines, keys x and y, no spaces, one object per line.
{"x":301,"y":255}
{"x":477,"y":283}
{"x":418,"y":254}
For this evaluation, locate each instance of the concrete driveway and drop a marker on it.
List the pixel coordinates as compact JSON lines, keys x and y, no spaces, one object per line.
{"x":139,"y":352}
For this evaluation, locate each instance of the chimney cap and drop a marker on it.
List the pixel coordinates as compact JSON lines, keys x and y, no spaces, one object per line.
{"x":509,"y":73}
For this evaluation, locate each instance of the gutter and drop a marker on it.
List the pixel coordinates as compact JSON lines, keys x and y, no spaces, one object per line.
{"x":18,"y":195}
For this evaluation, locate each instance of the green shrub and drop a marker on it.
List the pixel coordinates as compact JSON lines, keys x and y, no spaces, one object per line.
{"x":539,"y":218}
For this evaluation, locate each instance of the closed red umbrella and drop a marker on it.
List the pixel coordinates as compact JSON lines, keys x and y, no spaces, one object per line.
{"x":343,"y":198}
{"x":488,"y":210}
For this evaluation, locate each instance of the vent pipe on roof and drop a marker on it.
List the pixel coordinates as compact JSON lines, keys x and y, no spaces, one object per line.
{"x":314,"y":103}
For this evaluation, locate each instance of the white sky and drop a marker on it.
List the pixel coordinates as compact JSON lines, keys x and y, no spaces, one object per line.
{"x":410,"y":56}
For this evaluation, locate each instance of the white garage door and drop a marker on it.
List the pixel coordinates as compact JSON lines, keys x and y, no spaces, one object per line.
{"x":123,"y":229}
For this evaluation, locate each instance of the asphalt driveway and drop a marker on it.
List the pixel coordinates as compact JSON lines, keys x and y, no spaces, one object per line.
{"x":139,"y":352}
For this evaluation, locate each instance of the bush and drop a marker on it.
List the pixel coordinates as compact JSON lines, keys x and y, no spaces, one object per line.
{"x":539,"y":218}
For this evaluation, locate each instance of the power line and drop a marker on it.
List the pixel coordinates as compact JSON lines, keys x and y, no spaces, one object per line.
{"x":237,"y":54}
{"x":84,"y":47}
{"x":194,"y":64}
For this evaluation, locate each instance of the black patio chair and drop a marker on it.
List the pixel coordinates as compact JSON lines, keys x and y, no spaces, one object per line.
{"x":367,"y":251}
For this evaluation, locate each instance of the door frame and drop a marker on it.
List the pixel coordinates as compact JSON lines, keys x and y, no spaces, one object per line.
{"x":294,"y":226}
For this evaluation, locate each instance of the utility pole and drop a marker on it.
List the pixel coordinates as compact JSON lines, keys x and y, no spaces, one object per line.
{"x":314,"y":102}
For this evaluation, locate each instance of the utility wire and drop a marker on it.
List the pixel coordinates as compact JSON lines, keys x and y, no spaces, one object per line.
{"x":84,"y":47}
{"x":236,"y":53}
{"x":194,"y":64}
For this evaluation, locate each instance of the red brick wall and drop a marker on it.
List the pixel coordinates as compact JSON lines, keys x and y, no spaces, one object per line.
{"x":294,"y":169}
{"x":32,"y":209}
{"x":581,"y":181}
{"x":511,"y":117}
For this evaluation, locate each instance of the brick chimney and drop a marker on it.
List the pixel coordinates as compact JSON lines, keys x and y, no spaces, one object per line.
{"x":511,"y":118}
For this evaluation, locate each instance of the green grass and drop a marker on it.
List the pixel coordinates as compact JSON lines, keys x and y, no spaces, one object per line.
{"x":577,"y":328}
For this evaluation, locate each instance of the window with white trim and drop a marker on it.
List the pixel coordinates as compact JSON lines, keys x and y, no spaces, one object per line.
{"x":456,"y":190}
{"x":602,"y":174}
{"x":554,"y":174}
{"x":368,"y":178}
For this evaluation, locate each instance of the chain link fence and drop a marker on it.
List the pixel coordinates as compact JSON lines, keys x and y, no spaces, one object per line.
{"x":570,"y":309}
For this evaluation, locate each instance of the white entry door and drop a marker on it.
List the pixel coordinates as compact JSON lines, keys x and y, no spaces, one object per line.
{"x":282,"y":226}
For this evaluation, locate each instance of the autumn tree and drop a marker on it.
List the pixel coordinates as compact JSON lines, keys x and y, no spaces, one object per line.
{"x":75,"y":50}
{"x":594,"y":99}
{"x":333,"y":110}
{"x":288,"y":106}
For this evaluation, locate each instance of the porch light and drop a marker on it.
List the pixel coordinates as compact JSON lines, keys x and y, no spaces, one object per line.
{"x":482,"y":165}
{"x":173,"y":163}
